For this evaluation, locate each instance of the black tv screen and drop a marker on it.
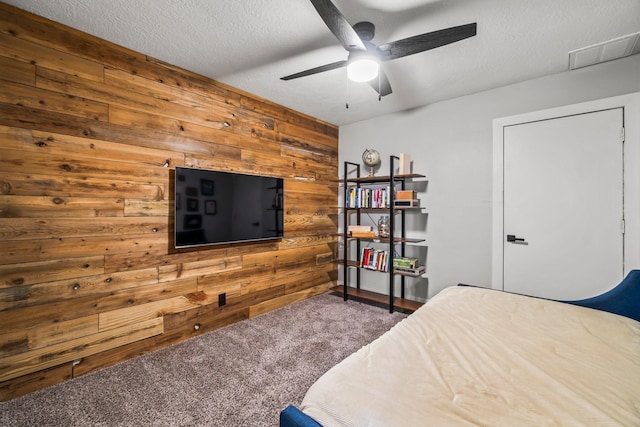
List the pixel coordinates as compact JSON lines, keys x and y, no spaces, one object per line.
{"x":214,"y":207}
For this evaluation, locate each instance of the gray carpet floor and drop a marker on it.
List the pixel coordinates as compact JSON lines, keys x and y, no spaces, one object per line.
{"x":239,"y":375}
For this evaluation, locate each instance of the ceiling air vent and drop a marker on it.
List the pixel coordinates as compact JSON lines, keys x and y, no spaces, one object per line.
{"x":605,"y":51}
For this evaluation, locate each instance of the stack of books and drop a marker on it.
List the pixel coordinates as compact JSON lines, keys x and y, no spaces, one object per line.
{"x":362,"y":231}
{"x":408,"y":265}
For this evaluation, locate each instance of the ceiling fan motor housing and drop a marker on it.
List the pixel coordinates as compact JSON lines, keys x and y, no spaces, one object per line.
{"x":366,"y":30}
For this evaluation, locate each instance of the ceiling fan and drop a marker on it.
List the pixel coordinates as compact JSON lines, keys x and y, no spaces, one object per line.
{"x":363,"y":53}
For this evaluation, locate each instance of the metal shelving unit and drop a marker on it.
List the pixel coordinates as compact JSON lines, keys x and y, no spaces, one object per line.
{"x":396,"y":237}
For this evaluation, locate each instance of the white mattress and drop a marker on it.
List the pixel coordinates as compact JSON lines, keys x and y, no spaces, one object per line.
{"x":479,"y":357}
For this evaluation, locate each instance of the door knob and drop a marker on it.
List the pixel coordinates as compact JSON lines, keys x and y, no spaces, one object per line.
{"x":512,"y":238}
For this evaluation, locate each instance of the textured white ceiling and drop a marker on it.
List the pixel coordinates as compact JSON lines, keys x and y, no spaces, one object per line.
{"x":250,"y":44}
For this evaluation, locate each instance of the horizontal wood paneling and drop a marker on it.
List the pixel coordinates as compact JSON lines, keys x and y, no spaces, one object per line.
{"x":53,"y":101}
{"x":37,"y":380}
{"x":17,"y":71}
{"x":15,"y":275}
{"x":90,"y":134}
{"x":35,"y":53}
{"x":21,"y":340}
{"x":74,"y":207}
{"x":47,"y":357}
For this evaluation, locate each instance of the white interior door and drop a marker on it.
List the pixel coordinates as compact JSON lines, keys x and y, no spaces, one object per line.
{"x":563,"y":196}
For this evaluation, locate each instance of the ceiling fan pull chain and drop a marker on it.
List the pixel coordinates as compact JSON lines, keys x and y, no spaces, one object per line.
{"x":347,"y":103}
{"x":379,"y":87}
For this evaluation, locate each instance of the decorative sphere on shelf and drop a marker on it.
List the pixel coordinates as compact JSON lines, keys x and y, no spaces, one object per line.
{"x":371,"y":158}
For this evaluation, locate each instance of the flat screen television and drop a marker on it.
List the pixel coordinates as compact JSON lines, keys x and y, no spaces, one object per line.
{"x":214,"y":207}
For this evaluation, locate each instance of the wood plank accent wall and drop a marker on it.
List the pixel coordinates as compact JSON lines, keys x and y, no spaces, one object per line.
{"x":89,"y":135}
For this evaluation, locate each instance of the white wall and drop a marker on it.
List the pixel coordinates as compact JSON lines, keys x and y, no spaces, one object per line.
{"x":451,"y":143}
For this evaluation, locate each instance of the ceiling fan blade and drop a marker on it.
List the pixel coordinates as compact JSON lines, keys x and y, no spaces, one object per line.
{"x":338,"y":25}
{"x":315,"y":70}
{"x":427,"y":41}
{"x":381,"y":84}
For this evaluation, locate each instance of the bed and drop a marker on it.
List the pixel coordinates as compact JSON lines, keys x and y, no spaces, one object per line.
{"x":480,"y":357}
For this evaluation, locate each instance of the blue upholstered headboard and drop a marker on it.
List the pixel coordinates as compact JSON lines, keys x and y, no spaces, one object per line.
{"x":624,"y":299}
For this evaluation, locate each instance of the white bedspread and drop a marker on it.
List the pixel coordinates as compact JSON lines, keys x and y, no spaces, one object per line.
{"x":479,"y":357}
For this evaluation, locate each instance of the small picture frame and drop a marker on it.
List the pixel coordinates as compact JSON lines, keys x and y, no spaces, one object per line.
{"x":210,"y":207}
{"x":206,"y":187}
{"x":192,"y":221}
{"x":193,"y":205}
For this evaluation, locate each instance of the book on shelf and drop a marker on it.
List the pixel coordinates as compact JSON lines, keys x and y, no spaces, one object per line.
{"x":374,"y":259}
{"x":405,"y":195}
{"x":404,"y":262}
{"x":363,"y":234}
{"x":406,"y":203}
{"x":360,"y":228}
{"x":417,"y":271}
{"x":365,"y":197}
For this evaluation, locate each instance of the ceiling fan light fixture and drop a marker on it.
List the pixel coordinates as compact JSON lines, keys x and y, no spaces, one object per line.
{"x":363,"y":69}
{"x":364,"y":56}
